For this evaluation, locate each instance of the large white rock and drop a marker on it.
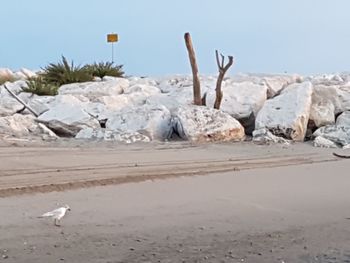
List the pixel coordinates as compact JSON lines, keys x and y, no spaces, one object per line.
{"x":95,"y":89}
{"x":276,"y":83}
{"x":344,"y":119}
{"x":108,"y":135}
{"x":337,"y":134}
{"x":151,"y":121}
{"x":9,"y":106}
{"x":68,"y":119}
{"x":324,"y":143}
{"x":24,"y":126}
{"x":202,"y":124}
{"x":16,"y":87}
{"x":264,"y":136}
{"x":142,"y":81}
{"x":115,"y":103}
{"x":240,"y":99}
{"x":287,"y":115}
{"x":327,"y":101}
{"x":147,"y":90}
{"x":39,"y":104}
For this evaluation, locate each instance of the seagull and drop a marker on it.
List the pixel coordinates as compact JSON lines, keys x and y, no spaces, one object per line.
{"x":57,"y":214}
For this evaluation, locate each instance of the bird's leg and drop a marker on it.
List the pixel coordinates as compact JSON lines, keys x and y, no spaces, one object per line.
{"x":56,"y":222}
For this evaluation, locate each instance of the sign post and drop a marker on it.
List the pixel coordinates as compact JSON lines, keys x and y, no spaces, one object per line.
{"x":112,"y":38}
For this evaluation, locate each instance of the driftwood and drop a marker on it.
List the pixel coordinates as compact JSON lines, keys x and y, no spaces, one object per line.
{"x":222,"y":71}
{"x":21,"y":101}
{"x":341,"y":156}
{"x":30,"y":109}
{"x":196,"y":83}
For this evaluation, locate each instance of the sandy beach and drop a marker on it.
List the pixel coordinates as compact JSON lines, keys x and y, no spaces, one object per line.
{"x":175,"y":202}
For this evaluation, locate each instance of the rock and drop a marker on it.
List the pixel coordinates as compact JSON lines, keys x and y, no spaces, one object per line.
{"x":24,"y":126}
{"x":108,"y":135}
{"x":9,"y":106}
{"x":95,"y":89}
{"x":344,"y":119}
{"x":143,"y":81}
{"x":16,"y":87}
{"x":145,"y":89}
{"x":39,"y":104}
{"x":324,"y":143}
{"x":67,"y":119}
{"x":264,"y":136}
{"x":337,"y":134}
{"x":276,"y":83}
{"x":287,"y":115}
{"x":115,"y":103}
{"x":327,"y":80}
{"x":325,"y":102}
{"x":242,"y":100}
{"x":345,"y":147}
{"x":151,"y":121}
{"x":202,"y":124}
{"x":173,"y":83}
{"x":91,"y":134}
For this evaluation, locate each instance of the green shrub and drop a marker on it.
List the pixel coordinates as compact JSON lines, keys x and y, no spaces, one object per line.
{"x":105,"y":69}
{"x":65,"y":73}
{"x":38,"y":86}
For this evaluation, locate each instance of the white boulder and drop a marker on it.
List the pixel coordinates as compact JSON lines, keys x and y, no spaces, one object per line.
{"x":68,"y":119}
{"x":9,"y":106}
{"x":324,"y":143}
{"x":202,"y":124}
{"x":337,"y":134}
{"x":21,"y":126}
{"x":343,"y":119}
{"x":264,"y":136}
{"x":276,"y":83}
{"x":240,"y":99}
{"x":287,"y":115}
{"x":151,"y":121}
{"x":108,"y":135}
{"x":95,"y":89}
{"x":147,"y":90}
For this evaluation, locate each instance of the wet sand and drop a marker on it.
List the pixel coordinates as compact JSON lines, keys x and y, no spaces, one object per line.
{"x":294,"y":210}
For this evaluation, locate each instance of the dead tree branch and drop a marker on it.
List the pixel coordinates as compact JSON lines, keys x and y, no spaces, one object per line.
{"x":222,"y":71}
{"x":21,"y":101}
{"x":197,"y":99}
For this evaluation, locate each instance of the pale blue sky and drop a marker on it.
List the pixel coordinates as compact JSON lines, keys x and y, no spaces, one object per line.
{"x":271,"y":36}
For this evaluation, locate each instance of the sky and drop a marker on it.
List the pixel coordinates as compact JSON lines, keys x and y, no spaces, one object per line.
{"x":264,"y":36}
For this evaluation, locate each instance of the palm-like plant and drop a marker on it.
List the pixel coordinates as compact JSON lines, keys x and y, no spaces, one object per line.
{"x":65,"y":73}
{"x":38,"y":86}
{"x":102,"y":69}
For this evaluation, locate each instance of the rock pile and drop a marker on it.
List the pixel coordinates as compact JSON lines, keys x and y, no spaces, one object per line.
{"x":271,"y":108}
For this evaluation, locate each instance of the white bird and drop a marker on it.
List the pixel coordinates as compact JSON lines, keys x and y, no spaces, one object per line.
{"x":57,"y":214}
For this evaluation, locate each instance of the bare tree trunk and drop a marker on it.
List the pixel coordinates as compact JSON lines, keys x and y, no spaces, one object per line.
{"x":196,"y":83}
{"x":222,"y":71}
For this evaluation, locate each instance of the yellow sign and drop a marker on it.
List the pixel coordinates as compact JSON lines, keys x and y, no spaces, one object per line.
{"x":112,"y":38}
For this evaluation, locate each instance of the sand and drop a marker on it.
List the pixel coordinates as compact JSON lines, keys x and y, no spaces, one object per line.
{"x":175,"y":202}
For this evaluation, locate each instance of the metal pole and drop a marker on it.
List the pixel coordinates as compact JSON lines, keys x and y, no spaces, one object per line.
{"x":112,"y":52}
